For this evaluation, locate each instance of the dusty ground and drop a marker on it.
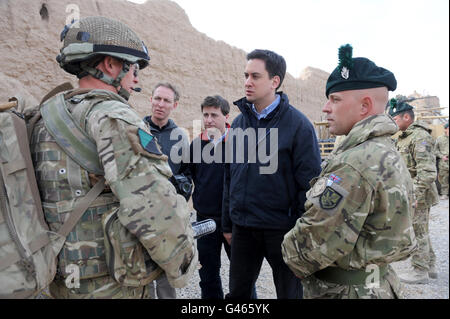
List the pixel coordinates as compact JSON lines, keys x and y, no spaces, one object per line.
{"x":436,"y":289}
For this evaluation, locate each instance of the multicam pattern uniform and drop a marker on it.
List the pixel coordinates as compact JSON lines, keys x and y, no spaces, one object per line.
{"x":417,"y":148}
{"x":358,"y":213}
{"x":442,"y":145}
{"x":148,"y":204}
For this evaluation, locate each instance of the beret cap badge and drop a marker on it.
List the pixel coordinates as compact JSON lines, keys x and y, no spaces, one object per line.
{"x":357,"y":74}
{"x":345,"y":73}
{"x":397,"y":107}
{"x":393,"y":103}
{"x":345,"y":60}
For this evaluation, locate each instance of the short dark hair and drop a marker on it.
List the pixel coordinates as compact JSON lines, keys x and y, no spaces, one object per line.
{"x":275,"y":63}
{"x":410,"y":113}
{"x":176,"y":94}
{"x":218,"y":102}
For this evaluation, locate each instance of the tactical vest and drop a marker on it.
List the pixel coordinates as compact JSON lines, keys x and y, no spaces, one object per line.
{"x":62,"y":182}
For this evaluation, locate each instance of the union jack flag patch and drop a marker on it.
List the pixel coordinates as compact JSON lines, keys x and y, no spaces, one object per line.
{"x":334,"y":178}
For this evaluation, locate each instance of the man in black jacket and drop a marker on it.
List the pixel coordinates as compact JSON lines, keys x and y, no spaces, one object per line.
{"x":207,"y":197}
{"x":173,"y":142}
{"x":206,"y":167}
{"x":172,"y":139}
{"x":262,"y":202}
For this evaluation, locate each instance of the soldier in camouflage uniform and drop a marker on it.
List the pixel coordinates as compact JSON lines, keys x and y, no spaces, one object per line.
{"x":442,"y":154}
{"x":417,"y":148}
{"x":358,"y":215}
{"x":106,"y":56}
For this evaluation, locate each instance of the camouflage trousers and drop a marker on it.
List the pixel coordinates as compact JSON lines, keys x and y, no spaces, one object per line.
{"x":97,"y":288}
{"x":443,"y":178}
{"x":423,"y":257}
{"x":389,"y":288}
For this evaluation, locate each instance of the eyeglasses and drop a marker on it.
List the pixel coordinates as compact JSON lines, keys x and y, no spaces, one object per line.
{"x":135,"y":70}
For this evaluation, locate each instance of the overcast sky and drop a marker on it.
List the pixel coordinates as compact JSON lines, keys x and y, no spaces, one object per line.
{"x":408,"y":37}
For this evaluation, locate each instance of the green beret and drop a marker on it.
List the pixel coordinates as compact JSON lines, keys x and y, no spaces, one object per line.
{"x":357,"y":74}
{"x":446,"y":125}
{"x":397,"y":107}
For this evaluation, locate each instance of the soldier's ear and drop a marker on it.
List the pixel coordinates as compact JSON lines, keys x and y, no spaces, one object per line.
{"x":366,"y":105}
{"x":406,"y":117}
{"x":109,"y":66}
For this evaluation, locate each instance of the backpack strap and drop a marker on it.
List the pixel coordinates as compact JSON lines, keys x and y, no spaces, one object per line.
{"x":69,"y":135}
{"x":66,"y":86}
{"x":81,"y":207}
{"x":24,"y":147}
{"x":43,"y":240}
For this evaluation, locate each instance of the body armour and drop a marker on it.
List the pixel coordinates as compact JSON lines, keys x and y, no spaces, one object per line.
{"x":61,"y":183}
{"x":417,"y":148}
{"x":137,"y":175}
{"x":358,"y":211}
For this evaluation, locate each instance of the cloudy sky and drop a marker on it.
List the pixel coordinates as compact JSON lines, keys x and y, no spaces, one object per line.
{"x":408,"y":37}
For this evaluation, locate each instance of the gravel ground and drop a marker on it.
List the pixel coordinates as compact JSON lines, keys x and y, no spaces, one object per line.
{"x":439,"y":234}
{"x":436,"y":289}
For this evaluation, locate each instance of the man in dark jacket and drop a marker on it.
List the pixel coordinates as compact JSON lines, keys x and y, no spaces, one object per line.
{"x":164,"y":100}
{"x":262,"y":202}
{"x":206,"y":167}
{"x":174,"y":143}
{"x":207,"y":197}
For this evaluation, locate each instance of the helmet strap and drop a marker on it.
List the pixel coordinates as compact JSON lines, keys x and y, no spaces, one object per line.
{"x":98,"y":74}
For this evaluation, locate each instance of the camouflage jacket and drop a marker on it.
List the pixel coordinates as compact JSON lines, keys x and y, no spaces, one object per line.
{"x":359,"y":210}
{"x":441,"y":149}
{"x":417,"y":148}
{"x":149,"y":205}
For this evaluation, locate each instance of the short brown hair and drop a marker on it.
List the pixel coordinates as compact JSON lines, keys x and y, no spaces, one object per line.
{"x":170,"y":87}
{"x":218,"y":102}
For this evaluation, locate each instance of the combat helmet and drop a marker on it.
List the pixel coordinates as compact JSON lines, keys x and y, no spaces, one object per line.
{"x":88,"y":40}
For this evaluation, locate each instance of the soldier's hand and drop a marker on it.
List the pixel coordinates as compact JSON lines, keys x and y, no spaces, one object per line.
{"x":227,"y":237}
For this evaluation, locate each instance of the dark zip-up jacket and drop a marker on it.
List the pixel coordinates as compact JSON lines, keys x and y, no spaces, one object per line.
{"x":270,"y":201}
{"x":163,"y":137}
{"x":207,"y":177}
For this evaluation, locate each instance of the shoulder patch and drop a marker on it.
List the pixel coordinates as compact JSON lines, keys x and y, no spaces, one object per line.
{"x":422,"y":147}
{"x":144,"y":143}
{"x":330,"y":198}
{"x":148,"y":142}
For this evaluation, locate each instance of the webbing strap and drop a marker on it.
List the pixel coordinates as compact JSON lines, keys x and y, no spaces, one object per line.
{"x":24,"y":147}
{"x":69,"y":136}
{"x":66,"y":86}
{"x":43,"y":240}
{"x":81,"y":207}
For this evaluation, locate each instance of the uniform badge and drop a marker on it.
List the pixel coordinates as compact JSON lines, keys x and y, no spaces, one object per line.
{"x":345,"y":73}
{"x":335,"y":179}
{"x":318,"y":187}
{"x":148,"y":142}
{"x":422,"y":147}
{"x":330,"y":198}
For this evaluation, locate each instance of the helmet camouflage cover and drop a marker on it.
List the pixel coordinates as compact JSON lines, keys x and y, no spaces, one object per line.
{"x":93,"y":36}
